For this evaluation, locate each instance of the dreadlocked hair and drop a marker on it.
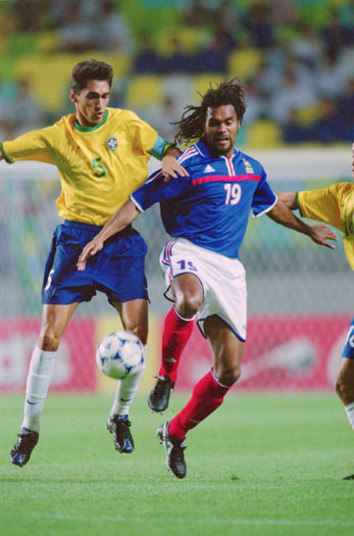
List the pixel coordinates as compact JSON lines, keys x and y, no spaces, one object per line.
{"x":191,"y":126}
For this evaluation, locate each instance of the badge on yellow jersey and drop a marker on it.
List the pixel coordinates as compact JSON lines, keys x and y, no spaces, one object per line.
{"x":112,"y":143}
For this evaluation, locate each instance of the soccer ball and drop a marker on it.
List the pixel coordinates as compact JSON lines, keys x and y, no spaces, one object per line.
{"x":120,"y":353}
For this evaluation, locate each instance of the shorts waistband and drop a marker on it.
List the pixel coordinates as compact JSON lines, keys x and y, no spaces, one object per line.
{"x":93,"y":228}
{"x":83,"y":226}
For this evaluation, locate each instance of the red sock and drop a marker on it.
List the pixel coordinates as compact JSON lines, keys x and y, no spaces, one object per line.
{"x":207,"y":396}
{"x":176,"y":333}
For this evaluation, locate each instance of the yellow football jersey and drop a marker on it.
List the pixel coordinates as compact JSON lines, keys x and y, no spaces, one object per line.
{"x":99,"y":167}
{"x":333,"y":205}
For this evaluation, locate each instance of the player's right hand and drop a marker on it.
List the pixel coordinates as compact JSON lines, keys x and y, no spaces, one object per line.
{"x":89,"y":250}
{"x":321,"y":233}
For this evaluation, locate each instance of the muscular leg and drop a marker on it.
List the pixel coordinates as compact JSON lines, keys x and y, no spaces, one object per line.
{"x":55,"y":318}
{"x":227,"y":351}
{"x":54,"y":321}
{"x":188,"y":294}
{"x":178,"y":326}
{"x":345,"y":387}
{"x":209,"y":392}
{"x":134,"y":315}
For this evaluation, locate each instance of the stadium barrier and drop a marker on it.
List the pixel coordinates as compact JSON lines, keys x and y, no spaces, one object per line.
{"x":281,"y":354}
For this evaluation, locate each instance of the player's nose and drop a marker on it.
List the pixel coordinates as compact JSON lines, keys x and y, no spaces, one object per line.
{"x":222,"y":128}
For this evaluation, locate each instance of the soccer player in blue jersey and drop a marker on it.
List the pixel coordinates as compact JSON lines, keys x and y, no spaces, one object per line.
{"x":207,"y":214}
{"x":102,"y":156}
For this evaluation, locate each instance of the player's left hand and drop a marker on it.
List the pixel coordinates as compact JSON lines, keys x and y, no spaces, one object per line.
{"x":171,"y":169}
{"x":321,"y":233}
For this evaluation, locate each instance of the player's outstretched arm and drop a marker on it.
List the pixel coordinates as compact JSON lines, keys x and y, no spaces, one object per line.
{"x":289,"y":198}
{"x":320,"y":234}
{"x":169,"y":165}
{"x":125,"y":215}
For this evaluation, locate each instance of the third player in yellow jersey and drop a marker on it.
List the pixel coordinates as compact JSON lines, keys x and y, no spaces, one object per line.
{"x":335,"y":205}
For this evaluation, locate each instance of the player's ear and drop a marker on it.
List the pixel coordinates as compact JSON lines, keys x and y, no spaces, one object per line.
{"x":73,"y":96}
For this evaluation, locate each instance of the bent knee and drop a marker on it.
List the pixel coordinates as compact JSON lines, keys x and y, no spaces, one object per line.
{"x":228,"y":376}
{"x":141,"y":333}
{"x":345,"y":390}
{"x":49,"y":340}
{"x":187,"y":304}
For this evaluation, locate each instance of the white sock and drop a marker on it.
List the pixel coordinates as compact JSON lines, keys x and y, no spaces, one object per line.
{"x":38,"y":380}
{"x":350,"y":413}
{"x":126,"y":392}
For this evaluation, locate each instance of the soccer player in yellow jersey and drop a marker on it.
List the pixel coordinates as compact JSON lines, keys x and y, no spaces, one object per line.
{"x":334,"y":205}
{"x":102,"y":157}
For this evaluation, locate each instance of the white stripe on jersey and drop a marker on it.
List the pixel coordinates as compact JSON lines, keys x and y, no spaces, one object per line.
{"x":154,"y":176}
{"x":140,"y":209}
{"x":267,"y":209}
{"x":230,"y":166}
{"x":192,"y":151}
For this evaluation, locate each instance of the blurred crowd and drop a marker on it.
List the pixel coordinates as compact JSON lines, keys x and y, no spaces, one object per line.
{"x":303,"y":80}
{"x":80,"y":25}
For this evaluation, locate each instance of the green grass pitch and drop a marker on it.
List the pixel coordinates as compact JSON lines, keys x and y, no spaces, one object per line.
{"x":260,"y":465}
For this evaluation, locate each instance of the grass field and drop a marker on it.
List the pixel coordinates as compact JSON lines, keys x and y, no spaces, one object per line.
{"x":261,"y":465}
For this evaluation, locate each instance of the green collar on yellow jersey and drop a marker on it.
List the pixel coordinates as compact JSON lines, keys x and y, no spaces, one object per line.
{"x":90,"y":129}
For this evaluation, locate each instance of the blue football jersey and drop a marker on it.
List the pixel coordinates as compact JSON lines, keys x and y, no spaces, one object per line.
{"x":211,"y":207}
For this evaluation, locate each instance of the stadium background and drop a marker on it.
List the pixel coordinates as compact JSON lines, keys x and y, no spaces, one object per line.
{"x":294,"y":58}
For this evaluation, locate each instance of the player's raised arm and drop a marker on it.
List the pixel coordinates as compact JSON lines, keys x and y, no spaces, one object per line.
{"x":125,"y":215}
{"x":319,"y":234}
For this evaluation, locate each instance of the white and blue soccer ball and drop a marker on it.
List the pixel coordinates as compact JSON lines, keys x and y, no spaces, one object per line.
{"x":119,"y":354}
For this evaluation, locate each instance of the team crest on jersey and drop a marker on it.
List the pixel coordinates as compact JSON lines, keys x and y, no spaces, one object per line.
{"x":112,"y":143}
{"x":248,"y":167}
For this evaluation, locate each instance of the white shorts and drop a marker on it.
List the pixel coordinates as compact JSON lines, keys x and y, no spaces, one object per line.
{"x":223,"y":281}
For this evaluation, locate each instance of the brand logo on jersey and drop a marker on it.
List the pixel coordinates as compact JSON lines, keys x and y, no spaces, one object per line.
{"x":112,"y":143}
{"x":248,"y":167}
{"x":209,"y":169}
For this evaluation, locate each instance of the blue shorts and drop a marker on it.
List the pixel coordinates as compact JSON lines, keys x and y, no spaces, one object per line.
{"x":117,"y":270}
{"x":349,"y":345}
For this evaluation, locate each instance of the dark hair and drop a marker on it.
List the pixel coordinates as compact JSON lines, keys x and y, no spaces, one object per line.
{"x":191,"y":126}
{"x":88,"y":70}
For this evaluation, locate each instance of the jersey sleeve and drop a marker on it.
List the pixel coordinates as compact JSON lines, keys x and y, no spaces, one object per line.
{"x":144,"y":136}
{"x":264,"y":198}
{"x":155,"y":190}
{"x":33,"y":145}
{"x":321,"y":205}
